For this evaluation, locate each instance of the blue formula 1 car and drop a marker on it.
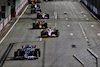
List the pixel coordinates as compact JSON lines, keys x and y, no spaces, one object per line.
{"x":27,"y":52}
{"x":36,"y":10}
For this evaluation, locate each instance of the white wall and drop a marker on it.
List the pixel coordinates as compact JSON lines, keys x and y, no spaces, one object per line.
{"x":7,"y":8}
{"x":18,"y":3}
{"x":7,"y":18}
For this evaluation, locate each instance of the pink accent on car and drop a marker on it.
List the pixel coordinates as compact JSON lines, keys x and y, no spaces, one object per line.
{"x":53,"y":35}
{"x":23,"y":46}
{"x":45,"y":35}
{"x":45,"y":17}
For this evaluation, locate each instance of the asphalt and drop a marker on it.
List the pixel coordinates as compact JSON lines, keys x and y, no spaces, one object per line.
{"x":78,"y":32}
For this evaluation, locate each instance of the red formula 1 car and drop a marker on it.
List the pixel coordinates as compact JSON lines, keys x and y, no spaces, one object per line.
{"x":42,"y":16}
{"x":27,"y":53}
{"x":39,"y":25}
{"x":50,"y":32}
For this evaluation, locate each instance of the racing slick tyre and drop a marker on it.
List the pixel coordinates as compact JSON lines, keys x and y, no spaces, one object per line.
{"x":18,"y":49}
{"x":20,"y":54}
{"x":38,"y":6}
{"x":32,"y":6}
{"x":40,"y":10}
{"x":39,"y":16}
{"x":37,"y":53}
{"x":15,"y":54}
{"x":38,"y":1}
{"x":30,"y":2}
{"x":35,"y":26}
{"x":57,"y":33}
{"x":44,"y":33}
{"x":47,"y":16}
{"x":32,"y":11}
{"x":46,"y":25}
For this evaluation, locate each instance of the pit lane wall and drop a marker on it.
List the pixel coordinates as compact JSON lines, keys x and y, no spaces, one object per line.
{"x":19,"y":5}
{"x":93,"y":6}
{"x":4,"y":21}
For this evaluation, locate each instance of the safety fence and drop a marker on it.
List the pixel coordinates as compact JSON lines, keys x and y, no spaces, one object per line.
{"x":8,"y":18}
{"x":20,"y":7}
{"x":4,"y":22}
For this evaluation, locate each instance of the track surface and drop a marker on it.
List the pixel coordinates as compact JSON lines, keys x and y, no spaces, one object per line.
{"x":79,"y":27}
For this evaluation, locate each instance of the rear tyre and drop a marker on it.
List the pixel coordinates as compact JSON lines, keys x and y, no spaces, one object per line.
{"x":37,"y":53}
{"x":37,"y":16}
{"x":48,"y":16}
{"x":33,"y":25}
{"x":44,"y":33}
{"x":15,"y":54}
{"x":57,"y":33}
{"x":46,"y":25}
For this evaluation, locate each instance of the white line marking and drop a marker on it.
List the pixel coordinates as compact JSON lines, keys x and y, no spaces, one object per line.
{"x":98,"y":34}
{"x":64,"y":11}
{"x":85,"y":37}
{"x":65,"y":15}
{"x":84,"y":15}
{"x":92,"y":25}
{"x":72,"y":10}
{"x":71,"y":34}
{"x":40,"y":39}
{"x":13,"y":25}
{"x":87,"y":40}
{"x":68,"y":25}
{"x":84,"y":33}
{"x":55,"y":14}
{"x":87,"y":18}
{"x":66,"y":18}
{"x":82,"y":12}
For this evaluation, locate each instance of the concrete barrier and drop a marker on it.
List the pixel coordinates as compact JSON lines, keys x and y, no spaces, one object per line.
{"x":20,"y":7}
{"x":1,"y":26}
{"x":5,"y":22}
